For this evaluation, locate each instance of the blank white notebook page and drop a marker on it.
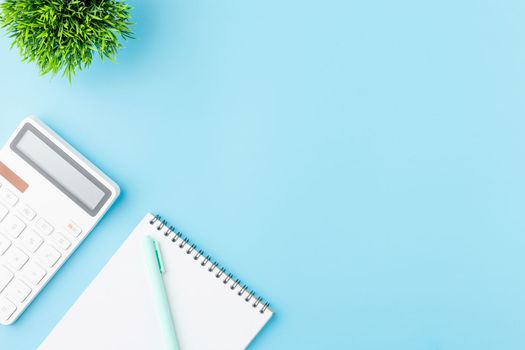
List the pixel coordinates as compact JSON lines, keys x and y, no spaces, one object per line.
{"x":117,"y":311}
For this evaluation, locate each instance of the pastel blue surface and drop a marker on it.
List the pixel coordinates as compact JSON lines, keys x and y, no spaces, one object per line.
{"x":361,"y":164}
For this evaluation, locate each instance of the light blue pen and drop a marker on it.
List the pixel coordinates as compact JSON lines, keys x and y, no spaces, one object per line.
{"x":155,"y":267}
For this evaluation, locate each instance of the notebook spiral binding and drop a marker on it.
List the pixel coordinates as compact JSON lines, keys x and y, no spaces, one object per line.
{"x":213,"y":267}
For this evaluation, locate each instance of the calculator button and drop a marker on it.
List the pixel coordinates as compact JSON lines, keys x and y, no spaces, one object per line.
{"x":31,"y":241}
{"x":34,"y":273}
{"x":44,"y":227}
{"x":49,"y":255}
{"x":3,"y":212}
{"x":8,"y":197}
{"x":28,"y":213}
{"x":7,"y":309}
{"x":61,"y":241}
{"x":16,"y":258}
{"x":13,"y":226}
{"x":4,"y":244}
{"x":73,"y":229}
{"x":18,"y":291}
{"x":5,"y":277}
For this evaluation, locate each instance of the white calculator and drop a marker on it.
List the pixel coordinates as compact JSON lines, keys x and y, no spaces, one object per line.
{"x":51,"y":197}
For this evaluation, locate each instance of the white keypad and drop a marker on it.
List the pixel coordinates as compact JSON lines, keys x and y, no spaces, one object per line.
{"x":73,"y":229}
{"x":3,"y":212}
{"x":31,"y":241}
{"x":48,"y":255}
{"x":17,"y":291}
{"x":26,"y":212}
{"x":34,"y":273}
{"x":5,"y":277}
{"x":13,"y":226}
{"x":8,"y":197}
{"x":30,"y":251}
{"x":61,"y":241}
{"x":16,"y":258}
{"x":44,"y":227}
{"x":4,"y":244}
{"x":7,"y":309}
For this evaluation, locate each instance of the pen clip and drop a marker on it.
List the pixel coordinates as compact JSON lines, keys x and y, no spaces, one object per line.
{"x":158,"y":255}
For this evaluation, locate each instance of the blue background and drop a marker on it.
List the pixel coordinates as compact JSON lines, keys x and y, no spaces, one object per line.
{"x":361,"y":164}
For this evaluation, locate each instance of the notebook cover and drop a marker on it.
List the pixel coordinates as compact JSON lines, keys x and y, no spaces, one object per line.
{"x":117,"y":311}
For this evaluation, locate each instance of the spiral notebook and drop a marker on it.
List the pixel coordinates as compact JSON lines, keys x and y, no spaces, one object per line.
{"x":211,"y":308}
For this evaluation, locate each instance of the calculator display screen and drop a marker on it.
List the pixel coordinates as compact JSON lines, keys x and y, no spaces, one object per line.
{"x":60,"y":169}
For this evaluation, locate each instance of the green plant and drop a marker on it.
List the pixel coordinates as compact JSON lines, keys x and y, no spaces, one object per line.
{"x":64,"y":35}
